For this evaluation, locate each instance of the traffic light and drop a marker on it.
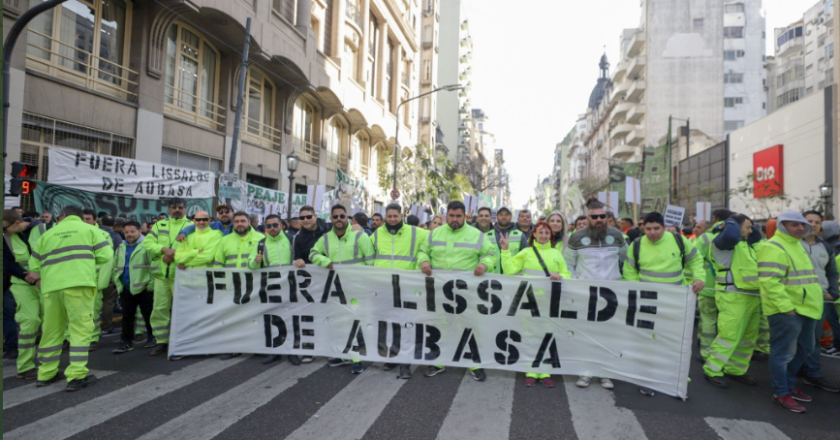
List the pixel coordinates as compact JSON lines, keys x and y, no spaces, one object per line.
{"x":23,"y":178}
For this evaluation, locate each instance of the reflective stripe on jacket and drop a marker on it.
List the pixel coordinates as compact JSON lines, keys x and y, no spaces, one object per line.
{"x":660,"y":261}
{"x":526,"y":262}
{"x":396,"y":251}
{"x":703,"y":245}
{"x":139,"y":268}
{"x":787,"y":278}
{"x":235,"y":250}
{"x":277,"y":252}
{"x":162,"y":236}
{"x":735,"y":269}
{"x":462,"y":249}
{"x":207,"y":241}
{"x":67,"y":255}
{"x":21,"y":251}
{"x":354,"y":247}
{"x":517,"y":240}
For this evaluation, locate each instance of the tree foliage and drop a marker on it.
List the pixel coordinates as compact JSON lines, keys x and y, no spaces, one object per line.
{"x":423,"y":178}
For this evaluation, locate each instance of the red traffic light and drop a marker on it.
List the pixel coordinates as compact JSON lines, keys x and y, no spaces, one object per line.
{"x":24,"y":170}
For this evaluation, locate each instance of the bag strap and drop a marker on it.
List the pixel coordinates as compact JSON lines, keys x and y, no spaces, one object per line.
{"x":637,"y":250}
{"x":542,"y":263}
{"x":261,"y":247}
{"x":681,"y":245}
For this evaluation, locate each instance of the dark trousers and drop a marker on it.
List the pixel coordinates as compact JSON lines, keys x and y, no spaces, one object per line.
{"x":109,"y":298}
{"x":10,"y":334}
{"x":129,"y":302}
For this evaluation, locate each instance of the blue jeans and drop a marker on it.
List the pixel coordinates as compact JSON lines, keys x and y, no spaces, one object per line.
{"x":831,"y":315}
{"x":10,"y":334}
{"x":791,"y":342}
{"x":812,"y":367}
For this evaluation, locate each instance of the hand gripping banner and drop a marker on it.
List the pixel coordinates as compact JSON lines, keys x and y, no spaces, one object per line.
{"x":635,"y":332}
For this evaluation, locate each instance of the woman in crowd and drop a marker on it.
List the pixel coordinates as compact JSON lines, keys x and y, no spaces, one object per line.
{"x":558,"y":228}
{"x":436,"y":221}
{"x":541,"y":259}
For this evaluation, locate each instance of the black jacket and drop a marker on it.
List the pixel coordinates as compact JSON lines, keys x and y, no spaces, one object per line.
{"x":115,"y":236}
{"x":304,"y":240}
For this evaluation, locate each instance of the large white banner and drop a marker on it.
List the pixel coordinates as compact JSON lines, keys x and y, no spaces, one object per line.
{"x":265,"y":201}
{"x":100,"y":173}
{"x":635,"y":332}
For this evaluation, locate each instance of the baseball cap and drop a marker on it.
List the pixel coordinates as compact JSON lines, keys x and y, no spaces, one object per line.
{"x":221,"y":206}
{"x":505,"y":207}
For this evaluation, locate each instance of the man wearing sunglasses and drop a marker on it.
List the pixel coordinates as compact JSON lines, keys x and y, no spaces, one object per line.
{"x":199,"y":249}
{"x":224,"y":224}
{"x":342,"y":246}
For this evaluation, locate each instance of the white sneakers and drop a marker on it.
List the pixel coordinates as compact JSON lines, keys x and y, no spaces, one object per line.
{"x":584,"y":381}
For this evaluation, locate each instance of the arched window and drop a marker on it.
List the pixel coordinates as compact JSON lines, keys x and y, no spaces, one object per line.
{"x":86,"y":43}
{"x":192,"y":77}
{"x":303,"y":120}
{"x":361,"y":154}
{"x":336,"y":144}
{"x":259,"y":110}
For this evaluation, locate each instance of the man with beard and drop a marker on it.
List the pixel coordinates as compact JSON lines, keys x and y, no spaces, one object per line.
{"x":523,"y":223}
{"x":311,"y":229}
{"x":161,"y":245}
{"x":457,"y":246}
{"x":272,"y":251}
{"x":595,"y":252}
{"x":395,"y":246}
{"x":484,"y":222}
{"x":504,"y":228}
{"x":224,"y":223}
{"x":235,"y":249}
{"x":376,"y":221}
{"x":342,"y":246}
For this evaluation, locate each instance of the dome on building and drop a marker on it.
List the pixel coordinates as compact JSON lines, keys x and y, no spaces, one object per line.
{"x":600,"y":89}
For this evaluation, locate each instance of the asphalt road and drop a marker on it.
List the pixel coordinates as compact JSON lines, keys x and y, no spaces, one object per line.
{"x":138,"y":396}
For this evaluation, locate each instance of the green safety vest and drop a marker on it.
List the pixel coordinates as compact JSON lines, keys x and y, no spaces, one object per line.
{"x":21,"y":252}
{"x":354,"y":247}
{"x":161,"y":236}
{"x":188,"y":252}
{"x":67,"y":255}
{"x":787,"y":278}
{"x":660,"y":262}
{"x":736,"y":268}
{"x":104,"y":270}
{"x":462,"y":249}
{"x":703,"y":244}
{"x":139,"y":268}
{"x":396,"y":251}
{"x":526,"y":262}
{"x":234,"y":250}
{"x":514,"y":245}
{"x":277,"y":251}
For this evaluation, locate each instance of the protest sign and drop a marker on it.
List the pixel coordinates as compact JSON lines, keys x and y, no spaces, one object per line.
{"x":635,"y":332}
{"x":609,"y":199}
{"x":484,"y":200}
{"x":264,"y":201}
{"x":654,"y":182}
{"x":674,"y":216}
{"x":121,"y":176}
{"x":52,"y":198}
{"x":349,"y":192}
{"x":704,"y":211}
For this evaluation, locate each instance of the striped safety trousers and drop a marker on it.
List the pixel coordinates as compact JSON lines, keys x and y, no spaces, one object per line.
{"x":69,"y":309}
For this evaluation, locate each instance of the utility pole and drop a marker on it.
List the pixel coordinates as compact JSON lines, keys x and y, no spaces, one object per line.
{"x":670,"y":162}
{"x":687,"y":137}
{"x":240,"y":93}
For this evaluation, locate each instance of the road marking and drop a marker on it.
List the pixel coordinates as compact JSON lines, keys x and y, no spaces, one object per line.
{"x":9,"y":370}
{"x":592,"y":406}
{"x":214,"y":416}
{"x":351,"y":412}
{"x":26,"y":393}
{"x":76,"y":419}
{"x":732,"y":429}
{"x":481,"y":409}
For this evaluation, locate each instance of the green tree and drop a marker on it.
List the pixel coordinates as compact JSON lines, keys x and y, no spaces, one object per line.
{"x":424,"y":178}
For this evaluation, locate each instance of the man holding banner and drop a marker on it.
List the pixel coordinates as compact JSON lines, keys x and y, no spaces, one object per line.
{"x":161,"y":244}
{"x":457,"y":246}
{"x":199,"y":249}
{"x":516,"y":239}
{"x":342,"y":246}
{"x":395,"y":246}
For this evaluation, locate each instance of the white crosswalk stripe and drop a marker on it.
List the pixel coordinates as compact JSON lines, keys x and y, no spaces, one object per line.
{"x":353,"y":410}
{"x":26,"y":393}
{"x":591,"y":406}
{"x":482,"y":409}
{"x":216,"y":415}
{"x":74,"y":420}
{"x":731,"y":429}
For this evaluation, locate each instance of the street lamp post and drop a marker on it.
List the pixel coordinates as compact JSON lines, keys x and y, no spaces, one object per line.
{"x":449,"y":88}
{"x":292,"y":162}
{"x":826,"y":191}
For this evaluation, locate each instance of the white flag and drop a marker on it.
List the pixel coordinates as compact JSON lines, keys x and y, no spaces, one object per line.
{"x":704,"y":211}
{"x":633,"y":190}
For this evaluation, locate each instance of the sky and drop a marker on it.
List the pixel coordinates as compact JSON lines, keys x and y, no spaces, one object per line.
{"x":534,"y":67}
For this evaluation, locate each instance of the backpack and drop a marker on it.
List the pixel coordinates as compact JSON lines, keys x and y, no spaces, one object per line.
{"x":637,"y":247}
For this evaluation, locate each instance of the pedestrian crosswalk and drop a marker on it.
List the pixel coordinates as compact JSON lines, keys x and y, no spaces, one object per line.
{"x":355,"y":410}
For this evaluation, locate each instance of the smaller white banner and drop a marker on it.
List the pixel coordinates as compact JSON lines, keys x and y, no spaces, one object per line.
{"x":633,"y":190}
{"x":674,"y":216}
{"x":610,"y":199}
{"x":704,"y":211}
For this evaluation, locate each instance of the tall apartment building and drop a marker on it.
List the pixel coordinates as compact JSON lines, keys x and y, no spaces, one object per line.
{"x":157,"y":81}
{"x":428,"y":124}
{"x":804,"y":58}
{"x":454,"y":109}
{"x":744,"y":76}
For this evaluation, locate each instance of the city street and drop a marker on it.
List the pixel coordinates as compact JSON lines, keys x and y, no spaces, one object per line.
{"x":200,"y":398}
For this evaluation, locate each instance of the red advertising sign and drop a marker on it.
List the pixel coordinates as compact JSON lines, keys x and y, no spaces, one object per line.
{"x":768,"y":172}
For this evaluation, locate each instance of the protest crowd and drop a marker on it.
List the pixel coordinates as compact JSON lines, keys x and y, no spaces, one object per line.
{"x":766,"y":294}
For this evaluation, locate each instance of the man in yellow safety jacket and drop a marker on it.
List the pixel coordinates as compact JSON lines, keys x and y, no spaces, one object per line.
{"x":66,"y":257}
{"x":272,"y":251}
{"x":26,"y":293}
{"x":792,"y":299}
{"x":737,"y":296}
{"x":161,"y":245}
{"x":457,"y":246}
{"x":199,"y":248}
{"x":516,"y":238}
{"x":342,"y":246}
{"x":395,"y":246}
{"x":235,"y":249}
{"x":706,"y":299}
{"x":132,"y":276}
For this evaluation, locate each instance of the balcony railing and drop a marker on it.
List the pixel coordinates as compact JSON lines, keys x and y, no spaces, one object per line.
{"x":184,"y":105}
{"x":406,"y":79}
{"x":307,"y":150}
{"x":66,"y":62}
{"x":365,"y":170}
{"x":285,"y":8}
{"x":263,"y":134}
{"x":335,"y":160}
{"x":354,"y":13}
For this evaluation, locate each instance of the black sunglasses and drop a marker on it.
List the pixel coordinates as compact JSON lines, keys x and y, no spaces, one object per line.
{"x":201,"y":219}
{"x":306,"y":217}
{"x":272,"y":225}
{"x":598,"y":216}
{"x":338,"y":216}
{"x":224,"y":211}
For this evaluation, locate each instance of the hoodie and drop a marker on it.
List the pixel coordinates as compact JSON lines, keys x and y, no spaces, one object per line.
{"x":831,"y":234}
{"x":792,"y":216}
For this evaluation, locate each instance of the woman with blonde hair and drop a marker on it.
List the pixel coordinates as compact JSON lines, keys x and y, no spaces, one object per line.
{"x":558,"y":228}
